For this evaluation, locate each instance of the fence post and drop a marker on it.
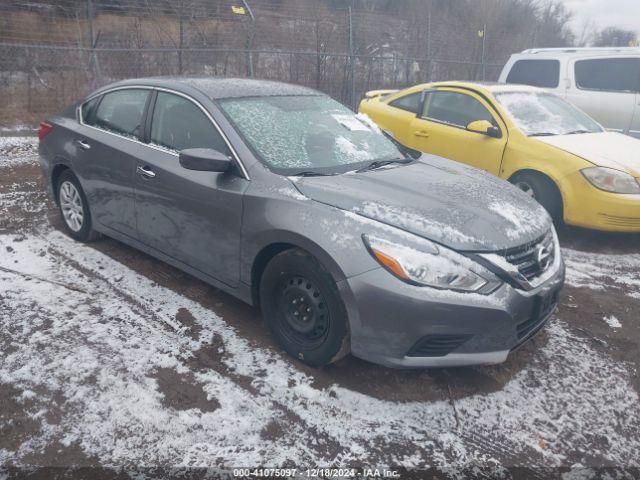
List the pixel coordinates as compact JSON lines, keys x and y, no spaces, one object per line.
{"x":429,"y":45}
{"x":484,"y":43}
{"x":180,"y":38}
{"x":352,"y":65}
{"x":93,"y":40}
{"x":249,"y":42}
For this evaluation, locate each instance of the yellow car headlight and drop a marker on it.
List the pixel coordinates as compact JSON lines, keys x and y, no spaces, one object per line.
{"x":611,"y":180}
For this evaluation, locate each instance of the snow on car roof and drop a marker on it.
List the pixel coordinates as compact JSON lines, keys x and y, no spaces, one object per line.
{"x":510,"y":87}
{"x":217,"y":88}
{"x":491,"y":87}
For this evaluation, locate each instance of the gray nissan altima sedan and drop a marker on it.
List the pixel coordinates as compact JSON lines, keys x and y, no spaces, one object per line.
{"x":286,"y":199}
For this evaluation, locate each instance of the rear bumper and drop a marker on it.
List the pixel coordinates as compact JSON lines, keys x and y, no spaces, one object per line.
{"x":389,"y":319}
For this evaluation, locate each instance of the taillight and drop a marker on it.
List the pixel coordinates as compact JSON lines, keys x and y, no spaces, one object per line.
{"x":45,"y":129}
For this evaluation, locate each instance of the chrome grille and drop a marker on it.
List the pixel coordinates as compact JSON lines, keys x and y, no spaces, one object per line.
{"x":525,"y":258}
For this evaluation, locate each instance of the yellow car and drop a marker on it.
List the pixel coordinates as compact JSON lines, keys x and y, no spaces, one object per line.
{"x":556,"y":153}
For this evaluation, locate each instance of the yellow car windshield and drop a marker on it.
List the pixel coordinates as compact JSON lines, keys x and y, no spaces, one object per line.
{"x":543,"y":114}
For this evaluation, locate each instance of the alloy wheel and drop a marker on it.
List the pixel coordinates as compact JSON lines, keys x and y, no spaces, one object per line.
{"x":71,"y":206}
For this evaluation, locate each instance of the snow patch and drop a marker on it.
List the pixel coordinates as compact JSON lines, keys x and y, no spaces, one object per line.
{"x":612,"y":321}
{"x":18,"y":150}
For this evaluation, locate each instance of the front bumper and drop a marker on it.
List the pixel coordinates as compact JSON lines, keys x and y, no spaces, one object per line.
{"x":588,"y":207}
{"x":392,"y":322}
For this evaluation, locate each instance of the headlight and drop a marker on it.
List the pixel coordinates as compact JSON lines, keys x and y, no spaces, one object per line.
{"x":611,"y":180}
{"x":432,"y":266}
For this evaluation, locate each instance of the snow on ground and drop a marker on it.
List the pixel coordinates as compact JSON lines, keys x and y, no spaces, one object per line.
{"x":601,"y":271}
{"x":85,"y":337}
{"x":17,"y":150}
{"x":612,"y":321}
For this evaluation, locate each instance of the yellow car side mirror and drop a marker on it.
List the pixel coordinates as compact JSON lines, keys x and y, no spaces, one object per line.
{"x":485,"y":128}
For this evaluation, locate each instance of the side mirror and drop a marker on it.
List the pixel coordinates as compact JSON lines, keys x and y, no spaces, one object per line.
{"x":204,"y":160}
{"x":485,"y":128}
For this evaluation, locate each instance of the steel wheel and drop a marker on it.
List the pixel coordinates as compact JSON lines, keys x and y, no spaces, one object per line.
{"x":71,"y":206}
{"x":303,"y":312}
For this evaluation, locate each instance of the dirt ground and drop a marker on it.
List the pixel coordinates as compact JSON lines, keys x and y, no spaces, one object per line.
{"x":112,"y":358}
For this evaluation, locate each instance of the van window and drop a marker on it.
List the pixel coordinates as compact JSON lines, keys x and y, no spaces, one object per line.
{"x":609,"y":74}
{"x":537,"y":73}
{"x":410,"y":103}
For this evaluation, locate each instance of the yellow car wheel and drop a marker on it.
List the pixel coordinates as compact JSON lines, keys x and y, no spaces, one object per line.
{"x":543,"y":190}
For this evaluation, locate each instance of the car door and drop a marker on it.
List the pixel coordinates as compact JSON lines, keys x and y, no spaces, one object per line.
{"x":107,"y":145}
{"x":396,"y":117}
{"x":441,"y":129}
{"x":191,"y":216}
{"x":606,"y":89}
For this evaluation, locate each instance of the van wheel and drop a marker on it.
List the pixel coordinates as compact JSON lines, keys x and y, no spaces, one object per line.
{"x":543,"y":190}
{"x":74,"y":208}
{"x":303,"y":308}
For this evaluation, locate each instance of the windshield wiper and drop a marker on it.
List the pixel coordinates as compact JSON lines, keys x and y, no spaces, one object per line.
{"x":310,"y":174}
{"x":575,"y":132}
{"x":382,"y":163}
{"x":543,"y":134}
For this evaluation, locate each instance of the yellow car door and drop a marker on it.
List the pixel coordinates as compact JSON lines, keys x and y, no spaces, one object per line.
{"x":461,"y":126}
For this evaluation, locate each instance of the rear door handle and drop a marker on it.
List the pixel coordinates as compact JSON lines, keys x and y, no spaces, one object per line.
{"x":145,"y":172}
{"x":421,"y":133}
{"x":83,"y":145}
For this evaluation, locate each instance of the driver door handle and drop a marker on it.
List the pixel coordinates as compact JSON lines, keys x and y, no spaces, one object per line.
{"x":145,"y":172}
{"x":421,"y":133}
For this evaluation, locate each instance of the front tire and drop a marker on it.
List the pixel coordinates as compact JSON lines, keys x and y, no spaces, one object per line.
{"x":303,"y":308}
{"x":544,"y":191}
{"x":74,"y":208}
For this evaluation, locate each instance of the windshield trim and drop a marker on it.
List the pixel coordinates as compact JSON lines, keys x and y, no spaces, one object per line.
{"x":290,"y":172}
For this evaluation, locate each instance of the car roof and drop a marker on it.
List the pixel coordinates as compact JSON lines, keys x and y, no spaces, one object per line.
{"x":487,"y":87}
{"x":579,"y":51}
{"x":217,"y":88}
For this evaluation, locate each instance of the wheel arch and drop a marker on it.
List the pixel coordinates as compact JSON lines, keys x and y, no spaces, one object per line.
{"x":540,"y":173}
{"x":547,"y":177}
{"x":279,"y":242}
{"x":57,"y":170}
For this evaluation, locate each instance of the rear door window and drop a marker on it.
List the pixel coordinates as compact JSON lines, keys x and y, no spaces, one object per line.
{"x":537,"y":73}
{"x":453,"y":108}
{"x":411,"y":103}
{"x":608,"y":74}
{"x":88,"y":109}
{"x":178,"y":124}
{"x":121,"y":112}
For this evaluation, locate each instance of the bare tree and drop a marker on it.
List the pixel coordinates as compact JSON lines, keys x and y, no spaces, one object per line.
{"x":616,"y":37}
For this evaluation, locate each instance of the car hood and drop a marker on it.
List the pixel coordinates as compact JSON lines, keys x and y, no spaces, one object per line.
{"x":447,"y":202}
{"x":605,"y":149}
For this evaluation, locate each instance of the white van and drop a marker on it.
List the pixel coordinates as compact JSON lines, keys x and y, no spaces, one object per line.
{"x":604,"y":82}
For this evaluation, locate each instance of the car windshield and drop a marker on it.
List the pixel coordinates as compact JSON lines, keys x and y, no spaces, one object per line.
{"x":544,"y":114}
{"x":308,"y":134}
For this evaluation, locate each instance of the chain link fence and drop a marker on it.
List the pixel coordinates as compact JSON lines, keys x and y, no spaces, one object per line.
{"x":52,"y":53}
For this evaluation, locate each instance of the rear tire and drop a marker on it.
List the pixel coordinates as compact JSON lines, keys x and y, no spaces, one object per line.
{"x":544,"y":191}
{"x":303,"y":308}
{"x":74,"y":208}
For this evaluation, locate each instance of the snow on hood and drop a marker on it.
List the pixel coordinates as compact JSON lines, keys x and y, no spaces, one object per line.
{"x":444,"y":201}
{"x":605,"y":149}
